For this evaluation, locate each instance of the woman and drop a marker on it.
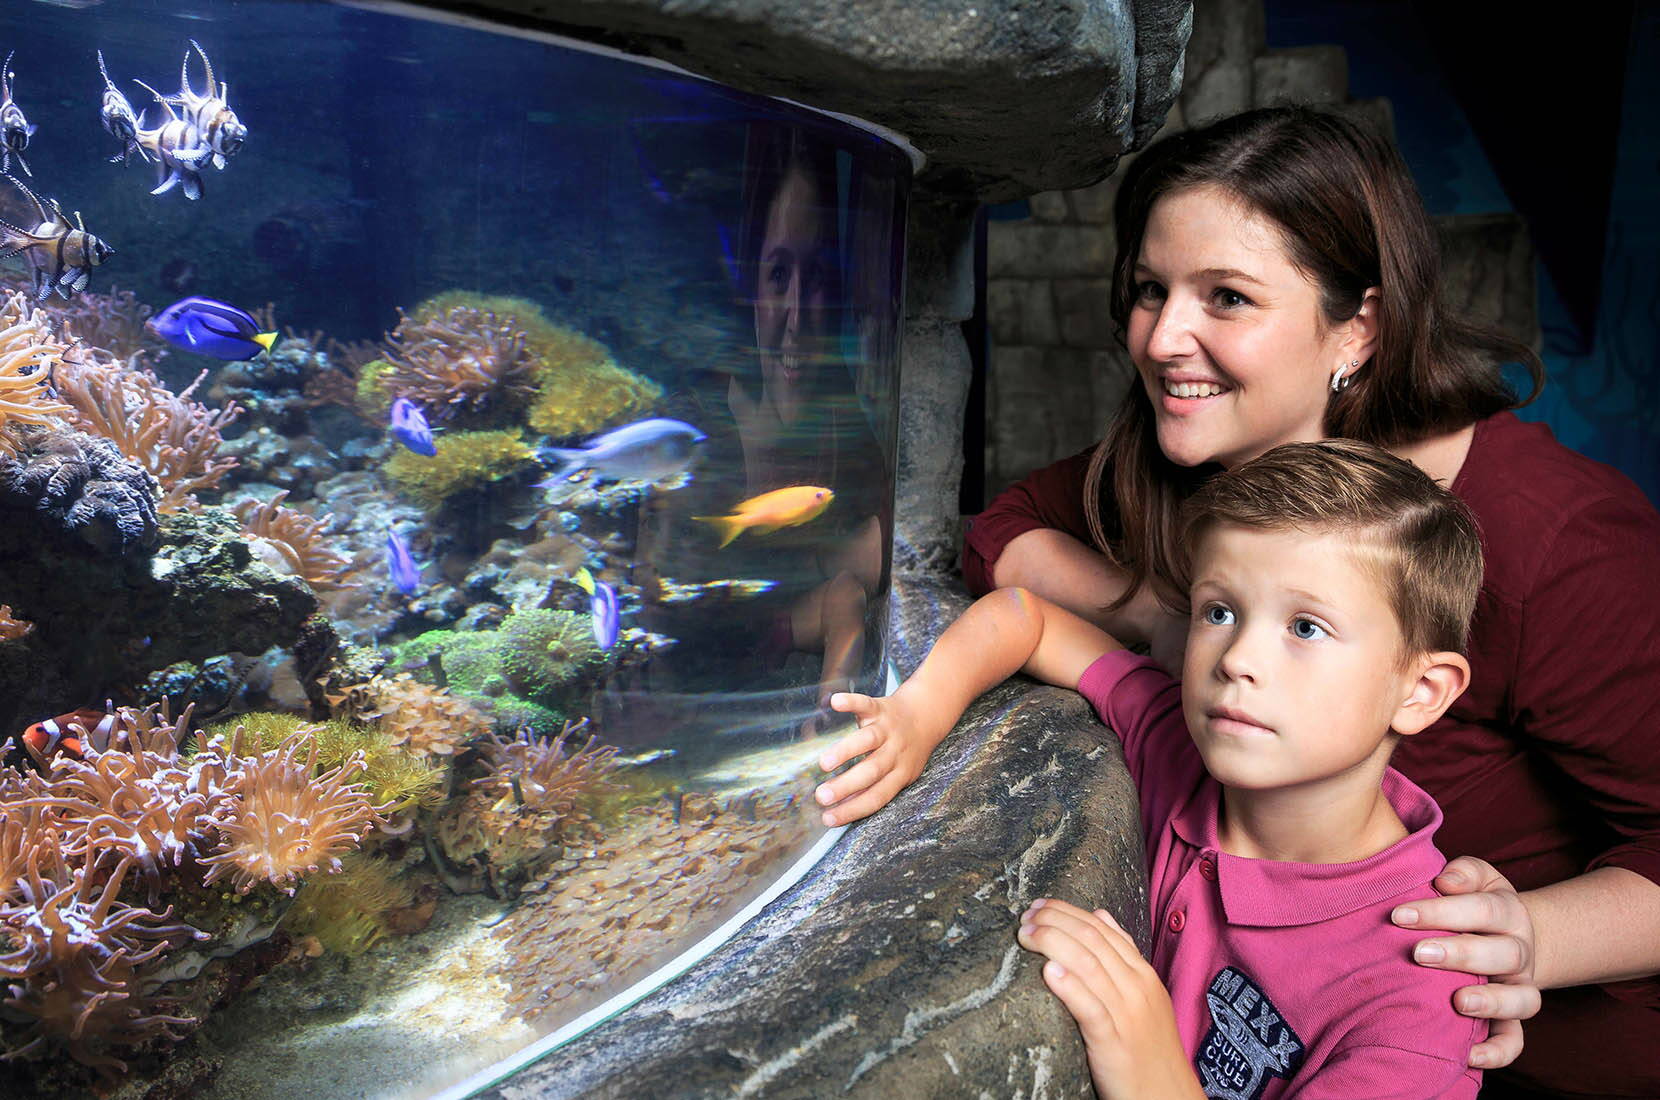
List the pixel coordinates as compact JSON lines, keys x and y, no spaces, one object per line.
{"x":1278,"y":280}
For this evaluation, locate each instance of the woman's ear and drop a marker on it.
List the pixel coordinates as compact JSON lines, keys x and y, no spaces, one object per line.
{"x":1361,"y":338}
{"x":1431,"y":683}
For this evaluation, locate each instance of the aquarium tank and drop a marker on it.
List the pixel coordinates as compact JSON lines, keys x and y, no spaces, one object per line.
{"x":444,"y":474}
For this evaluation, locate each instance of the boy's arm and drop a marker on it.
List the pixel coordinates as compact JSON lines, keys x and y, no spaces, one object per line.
{"x":1007,"y":631}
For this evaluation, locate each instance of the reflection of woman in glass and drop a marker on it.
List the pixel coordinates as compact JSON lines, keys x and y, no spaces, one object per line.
{"x":788,"y":426}
{"x":798,"y":418}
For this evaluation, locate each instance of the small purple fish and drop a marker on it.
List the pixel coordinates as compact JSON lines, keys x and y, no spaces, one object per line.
{"x":406,"y":575}
{"x":410,"y":427}
{"x":603,"y":607}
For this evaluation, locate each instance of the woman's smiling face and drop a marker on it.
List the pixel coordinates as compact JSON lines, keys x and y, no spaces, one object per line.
{"x":1226,"y":334}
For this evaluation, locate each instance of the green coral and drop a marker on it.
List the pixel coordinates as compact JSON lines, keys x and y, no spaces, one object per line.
{"x":528,"y":671}
{"x":390,"y":774}
{"x":465,"y":460}
{"x":545,"y":651}
{"x":348,"y":912}
{"x":373,"y":398}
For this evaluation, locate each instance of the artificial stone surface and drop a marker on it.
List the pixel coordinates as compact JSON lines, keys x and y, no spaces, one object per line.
{"x":891,"y":969}
{"x":1006,"y":97}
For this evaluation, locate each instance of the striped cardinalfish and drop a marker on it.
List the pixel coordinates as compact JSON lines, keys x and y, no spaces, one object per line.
{"x":118,"y":117}
{"x":178,"y":148}
{"x":62,"y":255}
{"x":215,"y":122}
{"x":15,"y":130}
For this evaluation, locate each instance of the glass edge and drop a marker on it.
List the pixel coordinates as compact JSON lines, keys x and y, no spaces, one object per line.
{"x":412,"y":10}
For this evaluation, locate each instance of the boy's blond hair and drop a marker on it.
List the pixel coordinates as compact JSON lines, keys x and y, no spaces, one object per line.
{"x":1428,"y":550}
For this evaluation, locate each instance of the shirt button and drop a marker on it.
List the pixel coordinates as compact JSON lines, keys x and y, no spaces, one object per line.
{"x":1207,"y":869}
{"x":1178,"y":921}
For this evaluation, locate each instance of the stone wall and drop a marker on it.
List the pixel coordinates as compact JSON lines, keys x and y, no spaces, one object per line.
{"x":1056,"y":371}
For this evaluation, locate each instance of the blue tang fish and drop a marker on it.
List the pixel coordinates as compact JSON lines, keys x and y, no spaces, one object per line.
{"x":410,"y":427}
{"x":406,"y":575}
{"x":646,"y":450}
{"x":207,"y":327}
{"x":602,"y":608}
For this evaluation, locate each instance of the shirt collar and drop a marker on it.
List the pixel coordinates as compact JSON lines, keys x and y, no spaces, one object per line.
{"x":1267,"y":893}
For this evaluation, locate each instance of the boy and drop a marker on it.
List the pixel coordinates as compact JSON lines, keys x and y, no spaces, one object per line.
{"x":1331,"y":587}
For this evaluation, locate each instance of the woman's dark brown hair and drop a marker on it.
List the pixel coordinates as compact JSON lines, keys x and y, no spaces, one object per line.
{"x":1351,"y":219}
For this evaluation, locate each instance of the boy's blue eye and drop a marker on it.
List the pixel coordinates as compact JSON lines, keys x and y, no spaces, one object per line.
{"x":1217,"y":615}
{"x":1307,"y":629}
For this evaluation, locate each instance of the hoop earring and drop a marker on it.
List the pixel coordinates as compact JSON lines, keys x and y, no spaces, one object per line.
{"x":1341,"y":380}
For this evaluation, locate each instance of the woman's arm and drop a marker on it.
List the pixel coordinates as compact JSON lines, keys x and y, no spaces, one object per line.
{"x":1587,"y":692}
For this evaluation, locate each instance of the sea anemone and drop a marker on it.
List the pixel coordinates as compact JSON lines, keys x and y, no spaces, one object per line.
{"x":298,"y":538}
{"x":76,"y":959}
{"x":289,"y":819}
{"x":462,"y":360}
{"x":530,"y":801}
{"x":27,"y":355}
{"x":174,"y":438}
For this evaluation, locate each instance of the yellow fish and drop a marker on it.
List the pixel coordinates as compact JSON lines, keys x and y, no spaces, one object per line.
{"x":789,"y":507}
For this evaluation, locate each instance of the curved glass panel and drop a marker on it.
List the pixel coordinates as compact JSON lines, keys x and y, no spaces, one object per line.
{"x":442,"y":476}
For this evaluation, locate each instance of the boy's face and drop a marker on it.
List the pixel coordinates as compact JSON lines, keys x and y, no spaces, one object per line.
{"x":1293,"y":671}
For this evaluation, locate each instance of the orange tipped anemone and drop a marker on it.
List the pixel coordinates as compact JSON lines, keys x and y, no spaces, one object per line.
{"x":286,"y":820}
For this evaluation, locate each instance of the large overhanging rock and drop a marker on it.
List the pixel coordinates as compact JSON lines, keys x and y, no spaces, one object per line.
{"x":1005,"y":97}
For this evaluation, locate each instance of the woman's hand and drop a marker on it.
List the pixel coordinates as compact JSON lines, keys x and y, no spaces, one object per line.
{"x":895,"y":736}
{"x":1497,"y":942}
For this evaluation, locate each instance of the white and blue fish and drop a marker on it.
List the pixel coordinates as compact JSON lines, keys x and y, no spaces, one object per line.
{"x":62,"y":255}
{"x":602,"y":608}
{"x":400,"y":563}
{"x":15,"y":130}
{"x":646,"y":450}
{"x":117,"y":114}
{"x":178,"y":148}
{"x":211,"y":116}
{"x":409,"y":427}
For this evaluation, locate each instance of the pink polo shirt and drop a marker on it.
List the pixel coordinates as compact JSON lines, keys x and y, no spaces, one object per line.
{"x":1288,"y":978}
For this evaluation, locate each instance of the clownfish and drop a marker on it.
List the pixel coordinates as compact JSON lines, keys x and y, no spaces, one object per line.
{"x":43,"y":740}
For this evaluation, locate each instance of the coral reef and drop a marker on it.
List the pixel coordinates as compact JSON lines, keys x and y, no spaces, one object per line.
{"x":458,"y":363}
{"x":82,"y":962}
{"x":531,"y":670}
{"x":424,"y":720}
{"x":103,"y":621}
{"x":82,"y":485}
{"x":464,"y":460}
{"x":394,"y":778}
{"x":114,"y":323}
{"x":176,"y":439}
{"x":578,"y":386}
{"x":297,"y":539}
{"x":28,"y":355}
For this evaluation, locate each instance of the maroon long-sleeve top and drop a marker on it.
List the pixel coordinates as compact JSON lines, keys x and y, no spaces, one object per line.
{"x":1549,"y":764}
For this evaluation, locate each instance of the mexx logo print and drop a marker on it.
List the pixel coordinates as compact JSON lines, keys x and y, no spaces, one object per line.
{"x":1248,"y":1044}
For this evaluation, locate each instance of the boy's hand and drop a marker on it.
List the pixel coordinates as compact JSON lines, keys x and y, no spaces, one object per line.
{"x":1128,"y":1024}
{"x":895,"y":736}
